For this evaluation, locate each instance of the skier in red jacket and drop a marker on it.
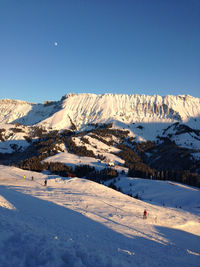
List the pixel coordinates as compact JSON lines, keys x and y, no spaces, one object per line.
{"x":145,"y":214}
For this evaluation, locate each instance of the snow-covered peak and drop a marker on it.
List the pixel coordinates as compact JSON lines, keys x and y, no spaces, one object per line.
{"x":83,"y":109}
{"x":17,"y":111}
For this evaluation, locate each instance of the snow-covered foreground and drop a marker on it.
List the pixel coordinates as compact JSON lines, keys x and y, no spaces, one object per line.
{"x":76,"y":222}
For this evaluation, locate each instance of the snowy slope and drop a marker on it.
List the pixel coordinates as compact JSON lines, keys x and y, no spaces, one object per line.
{"x":176,"y":195}
{"x":70,"y":159}
{"x":14,"y":138}
{"x":90,"y":108}
{"x":76,"y":222}
{"x":17,"y":111}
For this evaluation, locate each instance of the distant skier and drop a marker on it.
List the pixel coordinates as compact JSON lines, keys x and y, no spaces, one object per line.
{"x":45,"y":182}
{"x":145,"y":214}
{"x":32,"y":178}
{"x":24,"y":177}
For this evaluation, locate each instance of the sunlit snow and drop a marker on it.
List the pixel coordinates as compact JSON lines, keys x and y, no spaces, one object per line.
{"x":76,"y":222}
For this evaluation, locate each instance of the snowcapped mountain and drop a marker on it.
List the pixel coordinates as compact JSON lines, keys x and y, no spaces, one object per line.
{"x":83,"y":109}
{"x":17,"y":111}
{"x":169,"y":120}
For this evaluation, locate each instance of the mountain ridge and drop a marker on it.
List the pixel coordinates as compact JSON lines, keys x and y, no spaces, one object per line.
{"x":153,"y":134}
{"x":82,"y":109}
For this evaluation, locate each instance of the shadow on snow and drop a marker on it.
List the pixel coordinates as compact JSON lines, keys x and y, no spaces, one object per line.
{"x":44,"y":229}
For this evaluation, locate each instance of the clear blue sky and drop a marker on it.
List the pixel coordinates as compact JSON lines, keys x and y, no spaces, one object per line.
{"x":115,"y":46}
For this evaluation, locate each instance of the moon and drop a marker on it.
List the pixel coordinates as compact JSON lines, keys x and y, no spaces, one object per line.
{"x":55,"y":43}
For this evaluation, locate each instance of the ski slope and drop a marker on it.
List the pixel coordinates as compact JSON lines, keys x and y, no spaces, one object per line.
{"x":176,"y":195}
{"x":76,"y":222}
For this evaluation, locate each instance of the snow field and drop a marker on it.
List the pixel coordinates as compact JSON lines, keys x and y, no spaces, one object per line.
{"x":76,"y":222}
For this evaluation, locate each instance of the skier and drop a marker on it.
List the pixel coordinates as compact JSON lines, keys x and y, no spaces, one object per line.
{"x":45,"y":182}
{"x":145,"y":214}
{"x":32,"y":178}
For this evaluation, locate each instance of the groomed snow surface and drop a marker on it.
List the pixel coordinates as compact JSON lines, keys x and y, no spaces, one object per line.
{"x":76,"y":222}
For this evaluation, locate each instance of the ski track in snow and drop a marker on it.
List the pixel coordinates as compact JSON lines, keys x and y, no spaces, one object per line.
{"x":76,"y":222}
